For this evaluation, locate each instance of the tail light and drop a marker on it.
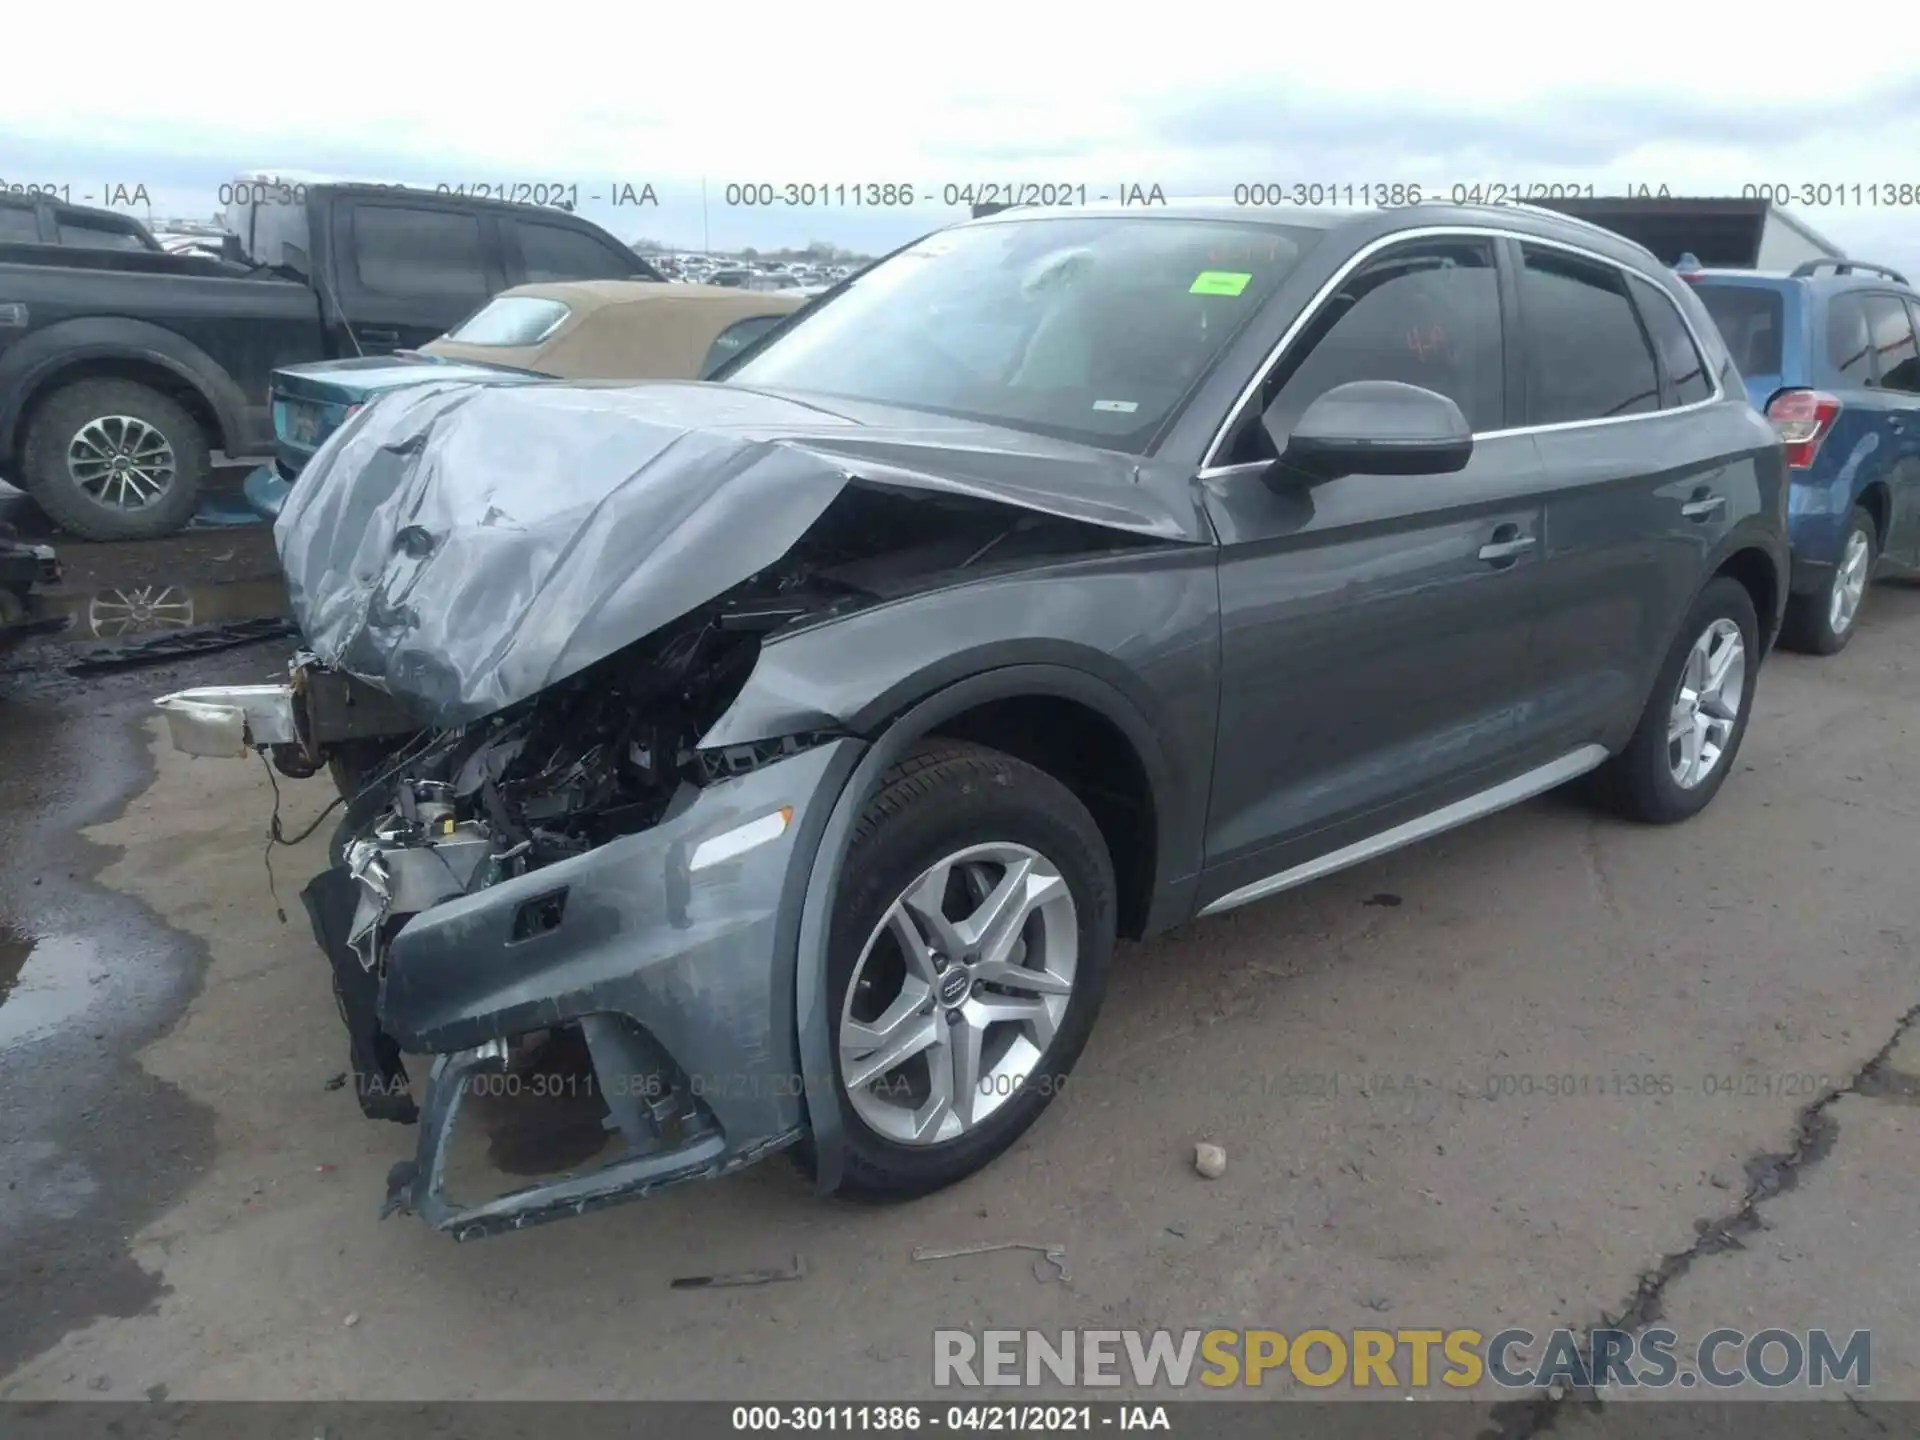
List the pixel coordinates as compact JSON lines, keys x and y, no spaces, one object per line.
{"x":1802,"y":419}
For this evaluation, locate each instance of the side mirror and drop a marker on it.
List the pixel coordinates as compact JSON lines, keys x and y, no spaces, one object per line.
{"x":1373,"y":427}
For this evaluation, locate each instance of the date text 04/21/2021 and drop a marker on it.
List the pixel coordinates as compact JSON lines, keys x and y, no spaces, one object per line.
{"x":888,"y":194}
{"x":987,"y":1419}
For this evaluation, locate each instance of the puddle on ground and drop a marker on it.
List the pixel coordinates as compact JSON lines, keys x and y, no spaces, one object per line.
{"x":125,"y":611}
{"x":44,"y":981}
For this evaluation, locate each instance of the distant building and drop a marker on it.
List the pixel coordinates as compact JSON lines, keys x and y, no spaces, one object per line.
{"x":1721,"y":233}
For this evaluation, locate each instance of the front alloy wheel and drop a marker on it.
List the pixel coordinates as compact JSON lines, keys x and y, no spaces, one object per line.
{"x":958,"y":993}
{"x":973,"y":931}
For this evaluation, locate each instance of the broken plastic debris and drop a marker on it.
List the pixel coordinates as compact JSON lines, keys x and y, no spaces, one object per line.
{"x":1210,"y":1160}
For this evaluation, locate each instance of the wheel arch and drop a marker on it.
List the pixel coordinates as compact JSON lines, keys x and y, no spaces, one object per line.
{"x":1876,"y":498}
{"x":1759,"y":574}
{"x":116,"y":349}
{"x":974,"y":704}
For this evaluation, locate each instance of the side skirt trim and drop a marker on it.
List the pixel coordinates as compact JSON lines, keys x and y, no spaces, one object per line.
{"x":1509,"y":792}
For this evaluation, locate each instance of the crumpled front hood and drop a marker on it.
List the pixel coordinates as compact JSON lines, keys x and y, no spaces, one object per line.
{"x":463,"y":547}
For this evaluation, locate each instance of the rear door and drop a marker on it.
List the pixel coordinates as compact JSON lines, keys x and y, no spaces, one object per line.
{"x":409,"y":270}
{"x":1617,"y":397}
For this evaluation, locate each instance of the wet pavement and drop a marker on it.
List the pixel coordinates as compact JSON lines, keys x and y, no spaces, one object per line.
{"x":187,"y":1202}
{"x":91,"y":1145}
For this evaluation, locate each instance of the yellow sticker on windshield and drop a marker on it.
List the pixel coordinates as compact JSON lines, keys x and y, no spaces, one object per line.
{"x":1220,"y":282}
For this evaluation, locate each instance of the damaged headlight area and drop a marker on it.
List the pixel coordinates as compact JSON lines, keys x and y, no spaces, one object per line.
{"x":574,"y":907}
{"x":599,"y":756}
{"x":441,"y":814}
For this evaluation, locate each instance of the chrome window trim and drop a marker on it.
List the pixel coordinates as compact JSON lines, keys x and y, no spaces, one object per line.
{"x":1209,"y":470}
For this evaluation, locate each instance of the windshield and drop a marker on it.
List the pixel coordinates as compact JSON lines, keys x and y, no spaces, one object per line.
{"x":1088,"y":329}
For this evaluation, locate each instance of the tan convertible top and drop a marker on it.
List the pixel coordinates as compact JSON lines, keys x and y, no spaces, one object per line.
{"x":625,"y":329}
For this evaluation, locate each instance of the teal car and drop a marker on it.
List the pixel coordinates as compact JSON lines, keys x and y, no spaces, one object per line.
{"x":310,"y":402}
{"x":573,"y":330}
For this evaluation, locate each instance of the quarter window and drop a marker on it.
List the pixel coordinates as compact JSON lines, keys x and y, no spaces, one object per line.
{"x":1587,"y":357}
{"x":1892,"y":336}
{"x":1686,"y":371}
{"x":1426,"y":315}
{"x":1849,"y":348}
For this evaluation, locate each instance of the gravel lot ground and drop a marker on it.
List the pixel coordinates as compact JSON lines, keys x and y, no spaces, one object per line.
{"x":192,"y":1212}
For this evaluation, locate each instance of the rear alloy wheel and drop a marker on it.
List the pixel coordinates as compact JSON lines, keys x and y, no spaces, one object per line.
{"x":115,"y":460}
{"x":1822,"y":623}
{"x":974,"y":933}
{"x":1691,"y":729}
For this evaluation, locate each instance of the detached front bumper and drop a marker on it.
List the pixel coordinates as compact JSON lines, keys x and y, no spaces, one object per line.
{"x":673,"y":949}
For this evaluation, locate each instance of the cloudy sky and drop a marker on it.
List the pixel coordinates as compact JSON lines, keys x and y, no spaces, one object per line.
{"x":693,"y":99}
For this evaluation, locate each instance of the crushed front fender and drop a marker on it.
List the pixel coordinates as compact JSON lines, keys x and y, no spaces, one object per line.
{"x":674,"y":951}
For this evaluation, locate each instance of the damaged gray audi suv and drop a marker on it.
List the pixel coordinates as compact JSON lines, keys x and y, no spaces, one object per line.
{"x":780,"y":757}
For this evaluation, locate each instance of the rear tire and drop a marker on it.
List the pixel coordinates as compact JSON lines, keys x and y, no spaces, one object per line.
{"x":1689,"y":735}
{"x":1822,"y":623}
{"x":84,"y":429}
{"x":993,"y":831}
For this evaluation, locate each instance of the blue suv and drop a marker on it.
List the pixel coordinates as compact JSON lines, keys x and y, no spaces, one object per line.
{"x":1831,"y":355}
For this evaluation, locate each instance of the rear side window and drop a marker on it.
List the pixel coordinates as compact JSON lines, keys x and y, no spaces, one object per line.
{"x":1749,"y":320}
{"x":559,"y":252}
{"x":1892,"y":335}
{"x":735,"y":338}
{"x":511,"y":320}
{"x":1849,"y":347}
{"x":1587,"y":357}
{"x":403,"y":251}
{"x":92,"y":235}
{"x":1686,"y":371}
{"x":1426,"y":315}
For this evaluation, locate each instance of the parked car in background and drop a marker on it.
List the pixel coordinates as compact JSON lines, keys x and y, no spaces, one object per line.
{"x":123,"y":369}
{"x":578,"y":330}
{"x":1830,"y":355}
{"x":1067,"y":575}
{"x":35,"y":220}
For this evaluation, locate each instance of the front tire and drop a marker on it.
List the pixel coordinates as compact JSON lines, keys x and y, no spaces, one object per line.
{"x":1822,"y":623}
{"x":115,"y":460}
{"x":970,"y":951}
{"x":1690,"y":733}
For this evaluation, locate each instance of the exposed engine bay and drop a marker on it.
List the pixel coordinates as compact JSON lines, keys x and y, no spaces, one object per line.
{"x":439,"y":813}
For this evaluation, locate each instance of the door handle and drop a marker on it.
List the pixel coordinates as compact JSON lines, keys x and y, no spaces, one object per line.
{"x":1701,"y":506}
{"x":1498,"y":550}
{"x":374,"y":336}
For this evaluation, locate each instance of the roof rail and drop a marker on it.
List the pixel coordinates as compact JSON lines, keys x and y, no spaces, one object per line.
{"x":1582,"y":221}
{"x":1845,"y":267}
{"x":1564,"y":218}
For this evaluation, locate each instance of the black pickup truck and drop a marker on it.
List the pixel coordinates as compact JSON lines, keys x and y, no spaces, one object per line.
{"x":124,"y":367}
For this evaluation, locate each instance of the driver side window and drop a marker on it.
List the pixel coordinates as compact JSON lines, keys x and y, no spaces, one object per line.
{"x":1427,"y":314}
